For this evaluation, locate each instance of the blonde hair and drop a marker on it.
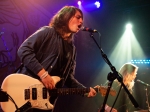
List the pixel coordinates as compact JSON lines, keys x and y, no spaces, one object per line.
{"x":127,"y":71}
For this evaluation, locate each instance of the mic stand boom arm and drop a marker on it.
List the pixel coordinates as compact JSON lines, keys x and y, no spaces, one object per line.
{"x":111,"y":77}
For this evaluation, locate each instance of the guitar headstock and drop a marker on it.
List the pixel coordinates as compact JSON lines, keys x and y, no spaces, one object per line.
{"x":103,"y":90}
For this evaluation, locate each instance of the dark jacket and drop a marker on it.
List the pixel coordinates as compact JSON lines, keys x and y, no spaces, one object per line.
{"x":43,"y":49}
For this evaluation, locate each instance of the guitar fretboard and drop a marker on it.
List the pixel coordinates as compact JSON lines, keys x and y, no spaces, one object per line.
{"x":69,"y":91}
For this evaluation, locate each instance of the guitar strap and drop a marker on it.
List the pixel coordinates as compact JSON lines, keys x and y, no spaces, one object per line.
{"x":68,"y":66}
{"x":66,"y":71}
{"x":18,"y":68}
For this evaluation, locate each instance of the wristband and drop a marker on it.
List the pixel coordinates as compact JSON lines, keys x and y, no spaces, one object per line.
{"x":44,"y":75}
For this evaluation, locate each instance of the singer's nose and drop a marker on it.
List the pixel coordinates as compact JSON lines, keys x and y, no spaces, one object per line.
{"x":81,"y":22}
{"x":134,"y":76}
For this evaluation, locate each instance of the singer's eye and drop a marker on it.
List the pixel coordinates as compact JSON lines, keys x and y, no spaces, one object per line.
{"x":78,"y":17}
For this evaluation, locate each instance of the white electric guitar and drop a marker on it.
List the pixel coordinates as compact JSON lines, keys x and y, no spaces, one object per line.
{"x":26,"y":92}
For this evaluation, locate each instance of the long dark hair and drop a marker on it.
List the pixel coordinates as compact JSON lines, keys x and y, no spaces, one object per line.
{"x":61,"y":18}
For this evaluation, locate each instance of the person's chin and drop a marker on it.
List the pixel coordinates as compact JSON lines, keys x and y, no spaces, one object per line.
{"x":75,"y":31}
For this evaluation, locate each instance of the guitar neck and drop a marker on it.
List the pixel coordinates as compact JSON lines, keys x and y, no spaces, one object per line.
{"x":79,"y":91}
{"x":70,"y":91}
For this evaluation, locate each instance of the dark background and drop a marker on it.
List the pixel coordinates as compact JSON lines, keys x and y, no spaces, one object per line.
{"x":20,"y":18}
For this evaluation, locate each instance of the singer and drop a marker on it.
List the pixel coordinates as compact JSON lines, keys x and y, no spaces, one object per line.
{"x":123,"y":104}
{"x":50,"y":51}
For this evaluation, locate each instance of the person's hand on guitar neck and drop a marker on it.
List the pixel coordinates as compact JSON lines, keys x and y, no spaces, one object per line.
{"x":92,"y":93}
{"x":46,"y":79}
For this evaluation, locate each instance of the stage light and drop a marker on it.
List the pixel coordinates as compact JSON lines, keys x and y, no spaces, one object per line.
{"x":128,"y":26}
{"x":140,"y":61}
{"x":79,"y":2}
{"x":97,"y":3}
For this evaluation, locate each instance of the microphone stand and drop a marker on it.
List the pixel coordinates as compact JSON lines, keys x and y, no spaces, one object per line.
{"x":111,"y":77}
{"x":147,"y":99}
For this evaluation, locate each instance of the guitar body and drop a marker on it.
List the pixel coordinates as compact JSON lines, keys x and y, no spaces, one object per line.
{"x":15,"y":86}
{"x":26,"y":92}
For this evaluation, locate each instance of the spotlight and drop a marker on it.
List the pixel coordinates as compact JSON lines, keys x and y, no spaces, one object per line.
{"x":79,"y":2}
{"x":97,"y":3}
{"x":128,"y":26}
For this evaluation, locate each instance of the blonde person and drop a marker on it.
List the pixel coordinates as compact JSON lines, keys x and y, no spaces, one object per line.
{"x":123,"y":104}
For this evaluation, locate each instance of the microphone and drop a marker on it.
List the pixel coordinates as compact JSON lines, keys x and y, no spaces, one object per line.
{"x":89,"y":29}
{"x":142,"y":82}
